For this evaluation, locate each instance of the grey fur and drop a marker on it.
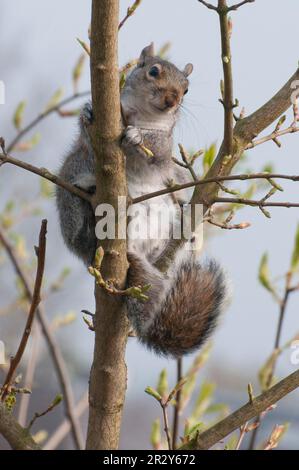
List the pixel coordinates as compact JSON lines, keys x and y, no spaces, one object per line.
{"x":170,"y":322}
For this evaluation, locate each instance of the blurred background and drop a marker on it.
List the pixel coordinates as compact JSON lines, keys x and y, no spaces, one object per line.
{"x":39,"y":51}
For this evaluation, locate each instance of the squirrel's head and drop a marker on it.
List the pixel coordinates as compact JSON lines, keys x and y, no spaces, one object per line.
{"x":157,"y":85}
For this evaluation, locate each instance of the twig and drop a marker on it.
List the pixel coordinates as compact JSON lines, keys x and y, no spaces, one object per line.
{"x":225,"y":226}
{"x":188,"y":164}
{"x":177,"y":409}
{"x":166,"y":424}
{"x":283,"y":306}
{"x":61,"y":432}
{"x":53,"y":405}
{"x":273,"y":136}
{"x":44,"y":173}
{"x":54,"y":349}
{"x":253,"y":203}
{"x":242,"y":435}
{"x":137,"y":292}
{"x":130,"y":12}
{"x":208,"y":5}
{"x":29,"y":376}
{"x":228,"y":99}
{"x":219,"y":431}
{"x":42,"y":116}
{"x":238,"y":5}
{"x":15,"y":361}
{"x":228,"y":9}
{"x":215,"y":179}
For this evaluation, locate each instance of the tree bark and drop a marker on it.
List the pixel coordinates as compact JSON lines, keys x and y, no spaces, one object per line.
{"x":219,"y":431}
{"x":19,"y":438}
{"x":108,"y":372}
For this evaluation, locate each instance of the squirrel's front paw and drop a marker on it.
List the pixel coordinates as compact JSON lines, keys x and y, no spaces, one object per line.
{"x":86,"y":115}
{"x":132,"y":136}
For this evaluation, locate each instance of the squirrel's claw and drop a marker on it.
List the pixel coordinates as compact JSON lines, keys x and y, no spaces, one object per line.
{"x":132,"y":136}
{"x":86,"y":114}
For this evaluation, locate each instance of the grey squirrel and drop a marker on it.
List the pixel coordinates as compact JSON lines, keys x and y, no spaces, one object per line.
{"x":183,"y":305}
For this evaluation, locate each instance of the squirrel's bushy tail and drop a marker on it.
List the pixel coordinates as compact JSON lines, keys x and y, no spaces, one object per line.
{"x":183,"y":307}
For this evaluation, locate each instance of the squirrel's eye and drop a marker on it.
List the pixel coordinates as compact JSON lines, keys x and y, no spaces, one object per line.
{"x":154,"y":71}
{"x":186,"y":91}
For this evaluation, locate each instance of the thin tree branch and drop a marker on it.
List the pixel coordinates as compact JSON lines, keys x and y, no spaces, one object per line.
{"x":61,"y":432}
{"x":208,"y":5}
{"x":228,"y":9}
{"x":228,"y":96}
{"x":108,"y":373}
{"x":44,"y":173}
{"x":18,"y":437}
{"x":215,"y":179}
{"x":130,"y":12}
{"x":42,"y":116}
{"x":238,"y":5}
{"x":177,"y":409}
{"x":54,"y":349}
{"x":29,"y":375}
{"x":166,"y":425}
{"x":15,"y":361}
{"x":282,"y":310}
{"x":241,"y":436}
{"x":273,"y":136}
{"x":253,"y":203}
{"x":187,"y":163}
{"x":219,"y":431}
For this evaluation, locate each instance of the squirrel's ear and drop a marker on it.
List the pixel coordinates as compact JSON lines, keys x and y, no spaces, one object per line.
{"x":188,"y":70}
{"x":148,"y":51}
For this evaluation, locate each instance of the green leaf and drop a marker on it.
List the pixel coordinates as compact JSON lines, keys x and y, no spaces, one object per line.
{"x":162,"y":387}
{"x":19,"y":114}
{"x":264,"y":274}
{"x":268,"y":168}
{"x":209,"y":156}
{"x":46,"y":188}
{"x":54,"y":100}
{"x":191,"y":375}
{"x":156,"y":434}
{"x":175,"y":390}
{"x":77,"y":71}
{"x":266,"y":372}
{"x":58,"y":399}
{"x":276,"y":185}
{"x":203,"y":400}
{"x":295,"y":255}
{"x":151,"y":391}
{"x":193,"y":430}
{"x":232,"y":442}
{"x":84,"y":46}
{"x":122,"y":80}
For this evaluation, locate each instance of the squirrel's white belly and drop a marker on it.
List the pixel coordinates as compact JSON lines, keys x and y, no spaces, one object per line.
{"x":150,"y":223}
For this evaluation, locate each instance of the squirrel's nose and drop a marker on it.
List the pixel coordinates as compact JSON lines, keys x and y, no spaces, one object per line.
{"x":169,"y":101}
